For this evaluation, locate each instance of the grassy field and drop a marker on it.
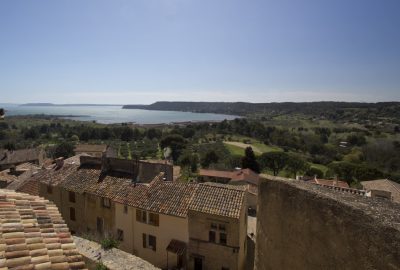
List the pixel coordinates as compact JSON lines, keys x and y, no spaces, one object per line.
{"x":237,"y":148}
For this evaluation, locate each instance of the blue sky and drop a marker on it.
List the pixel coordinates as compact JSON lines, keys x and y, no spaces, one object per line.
{"x":141,"y":51}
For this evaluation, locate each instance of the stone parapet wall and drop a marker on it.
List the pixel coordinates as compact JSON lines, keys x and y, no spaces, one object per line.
{"x":305,"y":226}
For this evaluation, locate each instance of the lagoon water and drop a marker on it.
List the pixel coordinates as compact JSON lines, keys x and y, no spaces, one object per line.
{"x":114,"y":114}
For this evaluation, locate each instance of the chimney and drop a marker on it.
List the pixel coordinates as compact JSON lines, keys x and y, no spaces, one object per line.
{"x":105,"y":165}
{"x":59,"y":162}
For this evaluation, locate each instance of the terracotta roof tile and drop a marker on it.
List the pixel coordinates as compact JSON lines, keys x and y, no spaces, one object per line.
{"x":33,"y":235}
{"x":170,"y":198}
{"x":19,"y":156}
{"x":218,"y":199}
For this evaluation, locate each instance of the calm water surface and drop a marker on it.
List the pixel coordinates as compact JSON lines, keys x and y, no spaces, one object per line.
{"x":115,"y":114}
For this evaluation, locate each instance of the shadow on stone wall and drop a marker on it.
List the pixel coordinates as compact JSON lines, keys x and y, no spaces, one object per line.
{"x":305,"y":226}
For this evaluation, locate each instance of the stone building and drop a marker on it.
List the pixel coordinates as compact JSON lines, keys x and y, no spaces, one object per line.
{"x":95,"y":150}
{"x":244,"y":177}
{"x":382,"y":188}
{"x":12,"y":158}
{"x":217,"y":228}
{"x":140,"y":207}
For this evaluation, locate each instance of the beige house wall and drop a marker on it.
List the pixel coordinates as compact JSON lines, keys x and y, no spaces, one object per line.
{"x":215,"y":255}
{"x":94,"y":209}
{"x":125,"y":222}
{"x":60,"y":198}
{"x":170,"y":227}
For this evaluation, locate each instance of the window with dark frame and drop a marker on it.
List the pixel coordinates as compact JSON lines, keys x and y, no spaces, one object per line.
{"x":71,"y":196}
{"x":149,"y":241}
{"x":141,"y":216}
{"x":153,"y":219}
{"x":125,"y":209}
{"x":152,"y":242}
{"x":222,"y":238}
{"x":72,"y":214}
{"x":106,"y":202}
{"x":211,"y":236}
{"x":49,"y":189}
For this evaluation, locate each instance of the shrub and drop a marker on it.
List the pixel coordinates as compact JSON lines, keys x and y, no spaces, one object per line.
{"x":101,"y":266}
{"x":109,"y":243}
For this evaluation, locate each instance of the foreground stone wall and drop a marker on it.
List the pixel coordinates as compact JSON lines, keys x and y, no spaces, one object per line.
{"x":113,"y":259}
{"x":304,"y":226}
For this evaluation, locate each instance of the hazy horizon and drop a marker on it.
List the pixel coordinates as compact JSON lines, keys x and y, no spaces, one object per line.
{"x":143,"y":51}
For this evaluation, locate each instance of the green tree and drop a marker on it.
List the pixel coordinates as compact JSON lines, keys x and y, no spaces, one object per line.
{"x":127,"y":134}
{"x":275,"y":161}
{"x":249,"y":160}
{"x":176,"y":143}
{"x":64,"y":149}
{"x":295,"y":164}
{"x":209,"y":158}
{"x":314,"y":172}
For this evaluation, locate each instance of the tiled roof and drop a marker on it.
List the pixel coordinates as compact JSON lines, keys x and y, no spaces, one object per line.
{"x":88,"y":179}
{"x":33,"y":235}
{"x":246,"y":175}
{"x":29,"y":186}
{"x":55,"y":175}
{"x":215,"y":173}
{"x":333,"y":183}
{"x":86,"y":148}
{"x":177,"y":247}
{"x":385,"y":185}
{"x":218,"y":199}
{"x":19,"y":156}
{"x":165,"y":197}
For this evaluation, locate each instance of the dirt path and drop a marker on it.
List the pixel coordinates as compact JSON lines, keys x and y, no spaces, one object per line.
{"x":244,"y":145}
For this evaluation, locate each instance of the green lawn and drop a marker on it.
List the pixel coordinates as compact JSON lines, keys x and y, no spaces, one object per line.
{"x":321,"y":167}
{"x":238,"y":150}
{"x":235,"y":150}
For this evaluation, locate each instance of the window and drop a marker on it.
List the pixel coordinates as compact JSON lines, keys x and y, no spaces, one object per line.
{"x":49,"y":189}
{"x":224,"y":268}
{"x":106,"y":202}
{"x":72,"y":214}
{"x":149,"y":241}
{"x":99,"y":225}
{"x":152,"y":242}
{"x":222,"y":227}
{"x":153,"y":219}
{"x":211,"y":236}
{"x":141,"y":216}
{"x":125,"y":209}
{"x":120,"y":235}
{"x":214,"y":226}
{"x":71,"y":196}
{"x":222,"y":238}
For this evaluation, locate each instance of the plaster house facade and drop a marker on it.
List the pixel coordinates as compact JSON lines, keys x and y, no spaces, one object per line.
{"x":154,"y":219}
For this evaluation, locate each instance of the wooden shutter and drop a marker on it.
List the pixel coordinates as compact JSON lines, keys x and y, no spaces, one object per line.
{"x":156,"y":219}
{"x":144,"y":240}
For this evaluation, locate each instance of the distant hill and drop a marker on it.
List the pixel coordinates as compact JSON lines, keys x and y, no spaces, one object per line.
{"x":328,"y":109}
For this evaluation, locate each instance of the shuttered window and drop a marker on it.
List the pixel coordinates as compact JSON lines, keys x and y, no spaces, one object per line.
{"x":154,"y":219}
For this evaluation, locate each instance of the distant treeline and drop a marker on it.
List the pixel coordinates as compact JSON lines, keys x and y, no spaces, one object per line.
{"x":328,"y":109}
